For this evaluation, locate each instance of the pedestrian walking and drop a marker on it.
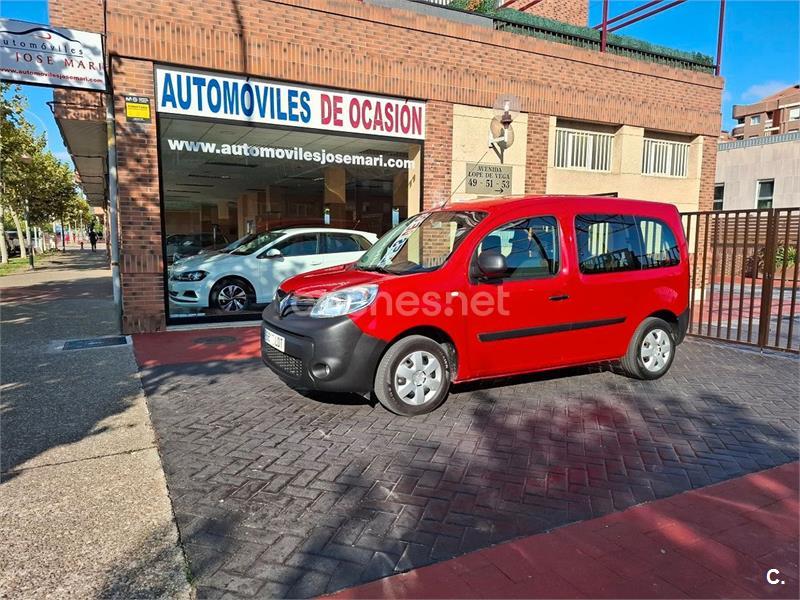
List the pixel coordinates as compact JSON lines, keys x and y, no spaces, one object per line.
{"x":93,"y":240}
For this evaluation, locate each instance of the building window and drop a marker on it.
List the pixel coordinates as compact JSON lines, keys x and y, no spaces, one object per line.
{"x":719,"y":196}
{"x":755,"y":120}
{"x":794,"y":113}
{"x":765,"y":189}
{"x":583,"y":150}
{"x":665,"y":158}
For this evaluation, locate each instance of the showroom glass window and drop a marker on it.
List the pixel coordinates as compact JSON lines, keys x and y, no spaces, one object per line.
{"x":222,"y":182}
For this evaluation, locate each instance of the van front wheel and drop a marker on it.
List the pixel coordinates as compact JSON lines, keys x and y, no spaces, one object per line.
{"x":413,"y":377}
{"x":651,"y":350}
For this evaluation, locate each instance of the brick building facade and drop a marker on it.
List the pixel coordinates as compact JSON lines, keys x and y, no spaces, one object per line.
{"x":388,"y":51}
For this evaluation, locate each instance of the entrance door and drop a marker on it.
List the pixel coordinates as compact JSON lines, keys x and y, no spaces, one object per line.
{"x":519,"y":333}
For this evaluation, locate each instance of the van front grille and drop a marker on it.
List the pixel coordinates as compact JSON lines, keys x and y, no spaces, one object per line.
{"x":288,"y":364}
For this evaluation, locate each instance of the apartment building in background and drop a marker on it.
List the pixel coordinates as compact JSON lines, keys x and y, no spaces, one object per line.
{"x":773,"y":115}
{"x":760,"y":172}
{"x":758,"y":164}
{"x":360,"y":114}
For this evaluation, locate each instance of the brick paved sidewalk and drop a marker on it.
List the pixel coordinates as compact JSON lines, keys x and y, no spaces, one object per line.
{"x":717,"y":542}
{"x":280,"y":494}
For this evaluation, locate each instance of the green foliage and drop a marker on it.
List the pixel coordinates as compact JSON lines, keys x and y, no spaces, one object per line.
{"x":14,"y":265}
{"x":785,"y":255}
{"x":586,"y":37}
{"x":478,"y":6}
{"x":42,"y":183}
{"x":754,"y":266}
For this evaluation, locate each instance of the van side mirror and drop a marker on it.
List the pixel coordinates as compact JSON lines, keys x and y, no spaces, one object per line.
{"x":272,"y":253}
{"x":491,"y":264}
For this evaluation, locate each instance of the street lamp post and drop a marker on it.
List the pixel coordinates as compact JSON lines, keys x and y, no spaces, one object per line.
{"x":26,"y":159}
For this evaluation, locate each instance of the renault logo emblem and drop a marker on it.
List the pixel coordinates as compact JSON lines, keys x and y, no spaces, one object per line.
{"x":284,"y":303}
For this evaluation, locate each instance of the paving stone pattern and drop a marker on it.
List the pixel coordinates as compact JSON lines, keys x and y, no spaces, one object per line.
{"x":277,"y":494}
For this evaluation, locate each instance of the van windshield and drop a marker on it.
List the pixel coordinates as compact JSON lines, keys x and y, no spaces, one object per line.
{"x":419,"y":244}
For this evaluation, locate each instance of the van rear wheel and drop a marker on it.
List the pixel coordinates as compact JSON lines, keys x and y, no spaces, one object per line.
{"x":413,"y":377}
{"x":651,"y":350}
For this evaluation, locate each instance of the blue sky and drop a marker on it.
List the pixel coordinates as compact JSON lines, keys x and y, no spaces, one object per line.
{"x":760,"y":54}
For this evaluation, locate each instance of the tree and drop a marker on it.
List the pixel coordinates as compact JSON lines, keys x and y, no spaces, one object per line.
{"x":34,"y":181}
{"x":16,"y":140}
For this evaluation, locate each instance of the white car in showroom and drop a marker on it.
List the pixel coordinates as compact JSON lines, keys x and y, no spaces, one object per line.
{"x":233,"y":281}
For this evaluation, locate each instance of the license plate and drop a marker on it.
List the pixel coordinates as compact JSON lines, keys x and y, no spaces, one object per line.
{"x":276,"y":341}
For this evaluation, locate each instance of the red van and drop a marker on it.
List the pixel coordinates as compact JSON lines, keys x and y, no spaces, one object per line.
{"x":485,"y":289}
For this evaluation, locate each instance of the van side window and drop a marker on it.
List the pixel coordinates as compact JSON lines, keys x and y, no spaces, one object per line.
{"x":607,"y":243}
{"x":530,"y":247}
{"x":659,"y":248}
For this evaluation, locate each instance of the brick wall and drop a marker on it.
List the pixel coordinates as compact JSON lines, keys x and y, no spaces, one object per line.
{"x":437,"y":156}
{"x":536,"y":159}
{"x":77,"y":14}
{"x":708,"y":170}
{"x":364,"y":47}
{"x":141,"y":266}
{"x":568,"y":11}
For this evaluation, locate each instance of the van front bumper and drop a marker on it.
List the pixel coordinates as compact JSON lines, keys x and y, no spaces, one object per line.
{"x":330,"y":355}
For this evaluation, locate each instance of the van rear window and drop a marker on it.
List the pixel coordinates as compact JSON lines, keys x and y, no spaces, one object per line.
{"x":613,"y":243}
{"x":659,"y":248}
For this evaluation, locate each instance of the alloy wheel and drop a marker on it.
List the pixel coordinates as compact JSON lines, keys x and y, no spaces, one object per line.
{"x":232,"y":298}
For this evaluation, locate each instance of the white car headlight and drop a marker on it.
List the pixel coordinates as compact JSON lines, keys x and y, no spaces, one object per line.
{"x":189,"y":276}
{"x":344,"y":302}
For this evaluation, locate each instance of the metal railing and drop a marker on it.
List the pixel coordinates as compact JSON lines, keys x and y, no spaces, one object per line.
{"x":576,"y":36}
{"x":660,"y":157}
{"x":791,"y":136}
{"x":584,"y":150}
{"x":744,"y":276}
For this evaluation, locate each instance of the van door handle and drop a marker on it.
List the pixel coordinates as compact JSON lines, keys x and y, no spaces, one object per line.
{"x":558,"y":298}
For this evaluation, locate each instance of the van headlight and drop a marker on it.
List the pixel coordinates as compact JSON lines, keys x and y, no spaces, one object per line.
{"x":344,"y":302}
{"x":189,"y":276}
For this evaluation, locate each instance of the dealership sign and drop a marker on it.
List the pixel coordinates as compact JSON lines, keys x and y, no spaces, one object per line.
{"x":257,"y":101}
{"x":52,"y":56}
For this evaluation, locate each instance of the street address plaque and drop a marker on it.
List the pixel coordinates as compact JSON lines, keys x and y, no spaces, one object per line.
{"x":488,"y":180}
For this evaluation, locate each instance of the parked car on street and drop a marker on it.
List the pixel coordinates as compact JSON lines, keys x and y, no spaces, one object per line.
{"x":486,"y":289}
{"x":248,"y":274}
{"x":12,"y":243}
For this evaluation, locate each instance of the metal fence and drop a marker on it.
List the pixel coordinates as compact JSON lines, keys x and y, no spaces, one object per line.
{"x":744,"y":276}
